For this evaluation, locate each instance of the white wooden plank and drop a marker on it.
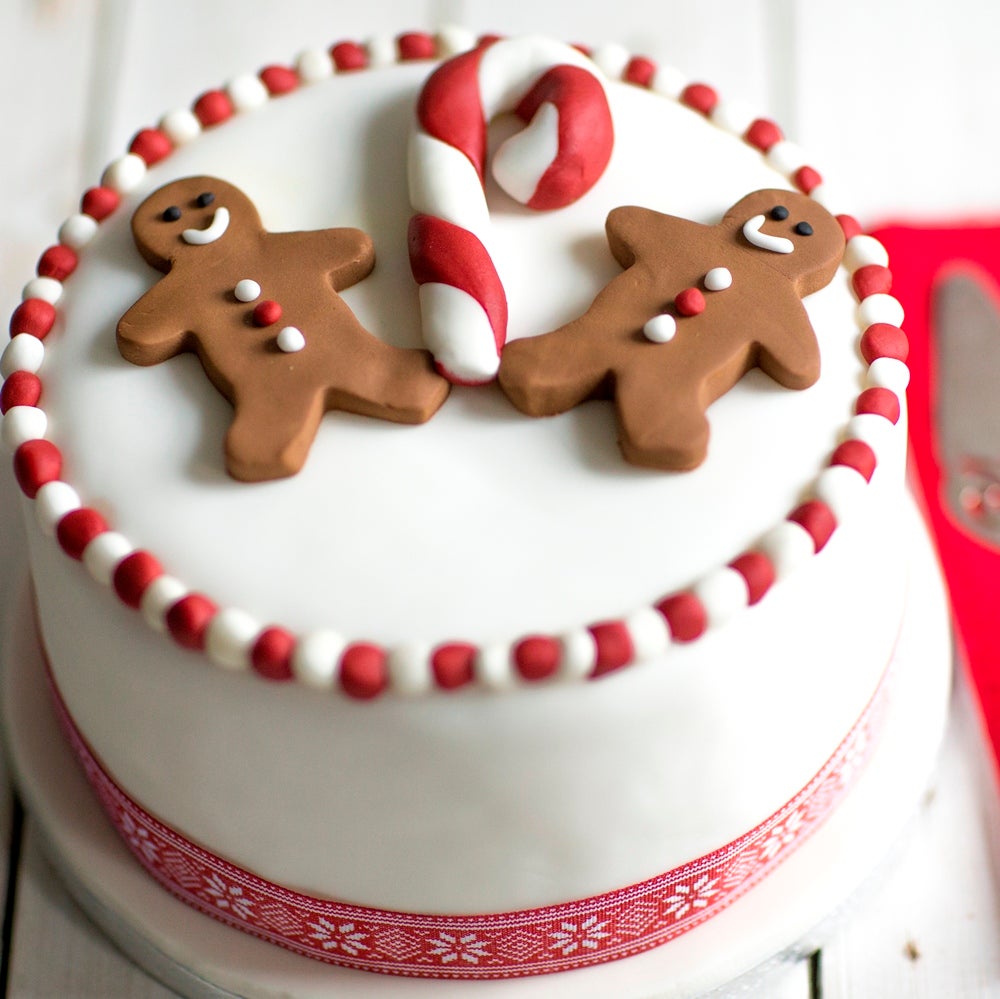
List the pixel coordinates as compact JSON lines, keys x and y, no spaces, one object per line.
{"x":898,"y":100}
{"x":57,"y":951}
{"x":932,"y":926}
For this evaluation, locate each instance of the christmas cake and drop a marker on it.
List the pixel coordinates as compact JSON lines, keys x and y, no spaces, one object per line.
{"x":464,"y":481}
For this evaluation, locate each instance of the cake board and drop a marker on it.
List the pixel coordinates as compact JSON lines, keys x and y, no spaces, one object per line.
{"x":738,"y":951}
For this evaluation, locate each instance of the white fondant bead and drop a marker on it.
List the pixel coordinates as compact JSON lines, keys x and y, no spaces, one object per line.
{"x":719,"y":279}
{"x":723,"y":593}
{"x":314,"y":65}
{"x":77,"y":231}
{"x":291,"y":340}
{"x":880,"y":308}
{"x":52,"y":502}
{"x":734,"y":116}
{"x":22,"y":423}
{"x":876,"y":431}
{"x":611,"y":59}
{"x":661,"y":328}
{"x":316,"y":658}
{"x":48,"y":289}
{"x":410,"y":668}
{"x":247,"y":290}
{"x":842,"y":489}
{"x":230,"y":636}
{"x":863,"y":250}
{"x":381,"y":51}
{"x":649,"y":632}
{"x":669,"y":81}
{"x":180,"y":126}
{"x":786,"y":157}
{"x":788,"y":545}
{"x":103,"y":553}
{"x":890,"y":373}
{"x":161,"y":594}
{"x":124,"y":174}
{"x":579,"y":654}
{"x":247,"y":92}
{"x":493,"y":666}
{"x":24,"y":352}
{"x":453,"y":39}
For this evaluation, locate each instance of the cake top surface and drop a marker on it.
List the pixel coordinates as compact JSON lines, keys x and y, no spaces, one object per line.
{"x":414,"y":557}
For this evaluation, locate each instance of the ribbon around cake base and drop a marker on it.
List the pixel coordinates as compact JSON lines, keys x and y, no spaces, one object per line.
{"x":553,"y":938}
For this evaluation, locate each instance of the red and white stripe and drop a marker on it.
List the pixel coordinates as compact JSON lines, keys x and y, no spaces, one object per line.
{"x":553,"y":161}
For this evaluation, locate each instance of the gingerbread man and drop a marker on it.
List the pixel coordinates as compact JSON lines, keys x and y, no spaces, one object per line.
{"x":261,"y":311}
{"x":695,"y":309}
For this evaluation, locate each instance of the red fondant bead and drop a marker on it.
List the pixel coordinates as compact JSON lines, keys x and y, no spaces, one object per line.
{"x":857,"y":455}
{"x":271,"y":655}
{"x":872,"y":279}
{"x":363,"y":672}
{"x":35,"y":463}
{"x":279,"y":79}
{"x":452,"y":664}
{"x":266,"y":313}
{"x":758,"y":571}
{"x":690,"y":302}
{"x":213,"y":108}
{"x":817,"y":518}
{"x":537,"y":657}
{"x":77,"y":529}
{"x":686,"y":616}
{"x":133,"y":574}
{"x":881,"y":401}
{"x":20,"y":388}
{"x":763,"y":134}
{"x":57,"y":262}
{"x":99,"y":202}
{"x":490,"y":39}
{"x":415,"y":45}
{"x":884,"y":340}
{"x":640,"y":71}
{"x":188,"y":620}
{"x":850,"y":226}
{"x":348,"y":55}
{"x":614,"y":646}
{"x":701,"y":97}
{"x":584,"y":50}
{"x":807,"y":179}
{"x":34,"y":316}
{"x":151,"y":145}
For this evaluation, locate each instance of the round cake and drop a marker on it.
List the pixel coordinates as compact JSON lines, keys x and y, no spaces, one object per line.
{"x":520,"y":656}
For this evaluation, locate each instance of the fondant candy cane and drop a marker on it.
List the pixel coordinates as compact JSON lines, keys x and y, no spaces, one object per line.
{"x":553,"y":161}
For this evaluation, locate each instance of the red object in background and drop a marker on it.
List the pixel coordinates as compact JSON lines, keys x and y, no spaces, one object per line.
{"x":948,"y":282}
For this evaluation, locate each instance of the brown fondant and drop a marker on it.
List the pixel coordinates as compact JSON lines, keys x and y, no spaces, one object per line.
{"x":662,"y":390}
{"x":279,"y":397}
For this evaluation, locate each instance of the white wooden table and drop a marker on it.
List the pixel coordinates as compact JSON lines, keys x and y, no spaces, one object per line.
{"x":899,"y":100}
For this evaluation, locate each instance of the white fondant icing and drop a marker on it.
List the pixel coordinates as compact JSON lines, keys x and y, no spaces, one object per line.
{"x":229,"y":638}
{"x":649,"y":631}
{"x":661,"y":328}
{"x":317,"y":657}
{"x":247,"y":92}
{"x":291,"y":340}
{"x":77,"y":231}
{"x":669,"y":81}
{"x":719,"y":279}
{"x":445,"y":310}
{"x":314,"y":65}
{"x":734,"y":116}
{"x":409,"y":668}
{"x":843,"y":490}
{"x":863,"y":250}
{"x":579,"y":654}
{"x":723,"y":594}
{"x":890,"y":373}
{"x":52,"y":502}
{"x":453,"y":39}
{"x":789,"y":547}
{"x":24,"y":352}
{"x":247,"y":290}
{"x":161,"y":594}
{"x":877,"y":432}
{"x":763,"y":240}
{"x":880,"y":308}
{"x":521,"y":161}
{"x":381,"y":50}
{"x":786,"y":157}
{"x":22,"y":423}
{"x":103,"y":554}
{"x":444,"y":183}
{"x":48,"y":289}
{"x":216,"y":229}
{"x":124,"y":174}
{"x":493,"y":666}
{"x":611,"y":59}
{"x":180,"y":126}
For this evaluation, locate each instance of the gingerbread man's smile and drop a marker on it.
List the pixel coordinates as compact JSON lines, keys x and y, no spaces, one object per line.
{"x":765,"y":241}
{"x":216,"y":228}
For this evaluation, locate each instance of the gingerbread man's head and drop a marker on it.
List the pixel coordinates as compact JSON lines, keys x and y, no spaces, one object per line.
{"x":796,"y":235}
{"x":191,"y":219}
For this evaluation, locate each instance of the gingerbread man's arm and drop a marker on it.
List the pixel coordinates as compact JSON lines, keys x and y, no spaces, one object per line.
{"x":156,"y":327}
{"x":787,"y":346}
{"x":641,"y":234}
{"x":347,"y":254}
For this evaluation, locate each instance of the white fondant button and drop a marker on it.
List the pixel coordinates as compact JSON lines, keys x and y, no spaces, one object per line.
{"x":290,"y":339}
{"x":660,"y":328}
{"x":718,"y":279}
{"x":247,"y":290}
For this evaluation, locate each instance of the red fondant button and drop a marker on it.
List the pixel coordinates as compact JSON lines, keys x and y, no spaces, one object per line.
{"x":271,"y":656}
{"x":77,"y":529}
{"x":690,"y":302}
{"x":363,"y":672}
{"x":452,"y":663}
{"x":21,"y":388}
{"x":266,"y":313}
{"x":537,"y":657}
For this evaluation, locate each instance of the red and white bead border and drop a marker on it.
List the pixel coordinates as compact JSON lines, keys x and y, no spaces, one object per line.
{"x":617,"y":924}
{"x":324,"y":659}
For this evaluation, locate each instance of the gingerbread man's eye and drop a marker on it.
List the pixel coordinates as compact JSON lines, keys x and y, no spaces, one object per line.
{"x":171,"y":214}
{"x":205,"y":199}
{"x":779,"y":213}
{"x":804,"y":229}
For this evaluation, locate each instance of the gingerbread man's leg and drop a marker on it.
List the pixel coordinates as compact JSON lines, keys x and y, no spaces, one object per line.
{"x":270,"y":436}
